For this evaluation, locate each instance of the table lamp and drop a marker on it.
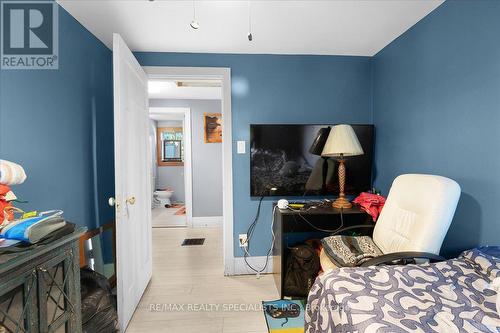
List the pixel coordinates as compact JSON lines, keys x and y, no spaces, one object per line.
{"x":342,"y":142}
{"x":317,"y":149}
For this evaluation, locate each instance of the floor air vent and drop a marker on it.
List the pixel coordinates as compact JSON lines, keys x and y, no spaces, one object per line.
{"x":193,"y":241}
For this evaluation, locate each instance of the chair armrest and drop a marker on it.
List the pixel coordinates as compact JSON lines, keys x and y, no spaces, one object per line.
{"x":371,"y":226}
{"x":388,"y":258}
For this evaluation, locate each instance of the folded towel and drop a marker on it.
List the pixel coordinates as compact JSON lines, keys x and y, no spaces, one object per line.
{"x":11,"y":173}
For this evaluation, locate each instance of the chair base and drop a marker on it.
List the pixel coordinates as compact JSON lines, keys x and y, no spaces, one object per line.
{"x":341,"y":203}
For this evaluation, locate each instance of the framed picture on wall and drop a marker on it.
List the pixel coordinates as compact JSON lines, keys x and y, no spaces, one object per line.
{"x":213,"y":127}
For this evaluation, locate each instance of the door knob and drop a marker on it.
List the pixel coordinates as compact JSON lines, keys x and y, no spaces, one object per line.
{"x":111,"y":201}
{"x":131,"y":200}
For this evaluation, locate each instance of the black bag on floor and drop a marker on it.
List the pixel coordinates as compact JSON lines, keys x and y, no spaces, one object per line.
{"x":98,"y":304}
{"x":302,"y":267}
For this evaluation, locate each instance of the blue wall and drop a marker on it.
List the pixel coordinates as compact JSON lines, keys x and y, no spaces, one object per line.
{"x":434,"y":95}
{"x":280,"y":89}
{"x":58,"y":124}
{"x":437,"y":110}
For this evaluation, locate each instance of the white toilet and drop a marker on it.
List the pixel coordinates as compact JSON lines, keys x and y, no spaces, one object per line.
{"x":162,"y":197}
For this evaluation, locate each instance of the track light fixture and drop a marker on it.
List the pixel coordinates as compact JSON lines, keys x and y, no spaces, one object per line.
{"x":194,"y":23}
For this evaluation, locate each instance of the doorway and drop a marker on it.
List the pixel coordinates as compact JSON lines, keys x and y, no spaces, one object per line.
{"x":170,"y":139}
{"x":222,"y":75}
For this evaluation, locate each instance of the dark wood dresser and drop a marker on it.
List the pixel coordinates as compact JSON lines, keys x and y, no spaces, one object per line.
{"x":40,"y":288}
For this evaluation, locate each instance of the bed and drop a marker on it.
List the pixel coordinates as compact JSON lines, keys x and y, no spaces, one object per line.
{"x":450,"y":296}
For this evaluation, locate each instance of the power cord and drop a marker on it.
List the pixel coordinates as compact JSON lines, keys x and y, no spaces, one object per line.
{"x":250,"y":232}
{"x":252,"y":226}
{"x":298,"y":211}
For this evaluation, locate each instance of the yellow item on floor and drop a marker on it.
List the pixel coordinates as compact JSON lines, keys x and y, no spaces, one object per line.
{"x":286,"y":330}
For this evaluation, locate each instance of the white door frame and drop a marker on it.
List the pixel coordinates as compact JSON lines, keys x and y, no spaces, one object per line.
{"x":188,"y":166}
{"x":223,"y":74}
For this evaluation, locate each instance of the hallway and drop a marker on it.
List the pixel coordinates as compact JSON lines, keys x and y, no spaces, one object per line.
{"x":162,"y":217}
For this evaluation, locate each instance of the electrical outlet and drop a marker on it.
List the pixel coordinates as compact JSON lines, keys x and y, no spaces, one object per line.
{"x":243,"y":240}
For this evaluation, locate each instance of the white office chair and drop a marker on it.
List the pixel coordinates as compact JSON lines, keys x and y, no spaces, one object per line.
{"x":414,"y":221}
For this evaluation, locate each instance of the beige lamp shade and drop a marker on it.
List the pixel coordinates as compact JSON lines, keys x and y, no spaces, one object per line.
{"x":342,"y":141}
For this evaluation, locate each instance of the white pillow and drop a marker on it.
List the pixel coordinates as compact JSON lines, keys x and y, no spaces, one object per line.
{"x":496,"y":286}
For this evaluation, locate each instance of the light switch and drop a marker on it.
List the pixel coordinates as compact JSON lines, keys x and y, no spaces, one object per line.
{"x":241,"y":147}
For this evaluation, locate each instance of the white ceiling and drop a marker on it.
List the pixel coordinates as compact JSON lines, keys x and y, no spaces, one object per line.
{"x":160,"y":117}
{"x":337,"y":27}
{"x":166,"y":89}
{"x":167,"y":113}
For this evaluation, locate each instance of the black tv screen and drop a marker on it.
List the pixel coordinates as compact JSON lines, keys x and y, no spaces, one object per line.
{"x":281,"y":164}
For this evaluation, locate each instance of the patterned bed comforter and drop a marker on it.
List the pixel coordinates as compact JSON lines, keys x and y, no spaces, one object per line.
{"x":449,"y":296}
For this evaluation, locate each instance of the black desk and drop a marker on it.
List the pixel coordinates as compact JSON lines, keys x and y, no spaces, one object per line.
{"x":290,"y":227}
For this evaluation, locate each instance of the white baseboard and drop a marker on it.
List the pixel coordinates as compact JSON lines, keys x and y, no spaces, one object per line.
{"x":207,"y":221}
{"x":241,"y":268}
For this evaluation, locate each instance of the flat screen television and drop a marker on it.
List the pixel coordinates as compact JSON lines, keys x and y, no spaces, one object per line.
{"x":281,"y":164}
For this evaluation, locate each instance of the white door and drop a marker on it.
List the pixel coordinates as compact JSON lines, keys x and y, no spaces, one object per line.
{"x":132,"y":180}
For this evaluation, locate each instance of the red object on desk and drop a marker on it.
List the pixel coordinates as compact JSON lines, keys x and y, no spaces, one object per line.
{"x":370,"y":203}
{"x":6,"y":213}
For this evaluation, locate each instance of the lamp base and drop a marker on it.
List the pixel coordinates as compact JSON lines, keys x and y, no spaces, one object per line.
{"x":341,"y":202}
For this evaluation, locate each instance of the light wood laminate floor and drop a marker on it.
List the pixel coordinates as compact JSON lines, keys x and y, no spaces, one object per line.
{"x":184,"y":275}
{"x":165,"y":217}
